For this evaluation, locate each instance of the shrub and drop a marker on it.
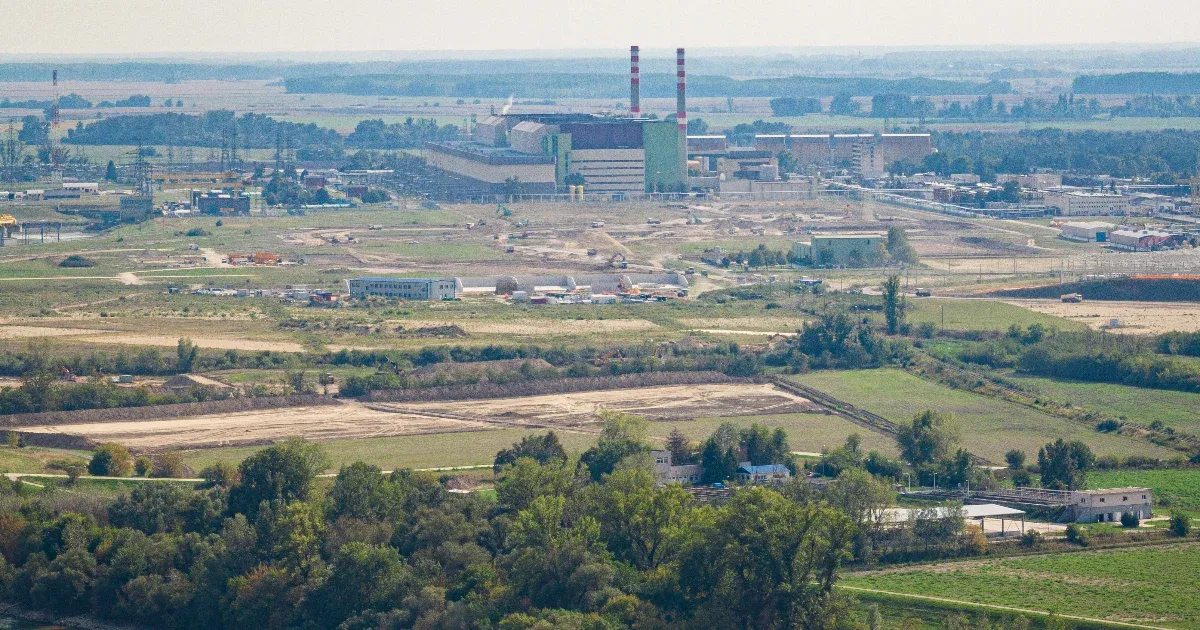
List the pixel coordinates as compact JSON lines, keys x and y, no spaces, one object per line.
{"x":1180,"y":524}
{"x":110,"y":460}
{"x":142,"y":466}
{"x":221,"y":474}
{"x":1129,"y":519}
{"x":1022,"y":478}
{"x":169,"y":464}
{"x":1032,"y":539}
{"x":1078,"y":535}
{"x":1108,"y":426}
{"x":1015,"y":459}
{"x":76,"y":261}
{"x":197,"y":232}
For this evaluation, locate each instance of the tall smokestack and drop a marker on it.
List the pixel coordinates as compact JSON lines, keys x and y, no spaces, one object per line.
{"x":681,"y":93}
{"x":635,"y":81}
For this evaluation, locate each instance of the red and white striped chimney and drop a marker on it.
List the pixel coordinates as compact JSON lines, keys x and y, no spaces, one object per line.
{"x":681,"y":92}
{"x":635,"y":81}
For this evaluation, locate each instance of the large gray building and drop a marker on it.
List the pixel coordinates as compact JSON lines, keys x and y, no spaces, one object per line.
{"x":404,"y":288}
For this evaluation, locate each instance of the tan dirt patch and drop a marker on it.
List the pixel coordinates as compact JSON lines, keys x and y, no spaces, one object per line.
{"x":666,"y":403}
{"x":1143,"y":318}
{"x":133,"y":339}
{"x":21,"y":332}
{"x":327,"y":422}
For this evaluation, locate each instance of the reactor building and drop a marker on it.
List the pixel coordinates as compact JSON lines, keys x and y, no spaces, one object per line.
{"x":542,"y":154}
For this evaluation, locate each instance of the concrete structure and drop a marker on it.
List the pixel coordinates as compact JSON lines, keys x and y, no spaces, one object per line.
{"x":220,"y":202}
{"x":1107,"y":505}
{"x":707,"y":145}
{"x":666,"y":471}
{"x":635,"y":81}
{"x":766,"y":473}
{"x":843,"y":249}
{"x":89,"y":188}
{"x":1036,"y":181}
{"x":868,"y":155}
{"x":1078,"y":203}
{"x":713,"y":256}
{"x":1087,"y":231}
{"x":1080,"y":506}
{"x":136,"y":205}
{"x":477,"y":168}
{"x":404,"y":288}
{"x":535,"y":153}
{"x":899,"y":516}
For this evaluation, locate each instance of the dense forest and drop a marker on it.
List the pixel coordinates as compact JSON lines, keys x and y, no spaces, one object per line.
{"x":1145,"y":154}
{"x":213,"y":129}
{"x":587,"y":542}
{"x":223,"y":128}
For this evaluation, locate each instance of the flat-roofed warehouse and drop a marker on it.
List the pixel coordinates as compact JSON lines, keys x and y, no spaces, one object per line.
{"x":536,"y":153}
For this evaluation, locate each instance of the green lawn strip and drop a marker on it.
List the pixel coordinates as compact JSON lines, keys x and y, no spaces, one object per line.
{"x":413,"y":451}
{"x":980,"y":315}
{"x":923,"y":612}
{"x":1180,"y":410}
{"x":989,"y":426}
{"x":32,"y":459}
{"x":1153,"y":586}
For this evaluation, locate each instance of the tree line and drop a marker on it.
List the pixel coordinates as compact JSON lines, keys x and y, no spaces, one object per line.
{"x":267,"y":545}
{"x":254,"y":131}
{"x":615,"y":85}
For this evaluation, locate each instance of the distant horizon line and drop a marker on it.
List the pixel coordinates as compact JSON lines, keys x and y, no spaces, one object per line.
{"x":596,"y":52}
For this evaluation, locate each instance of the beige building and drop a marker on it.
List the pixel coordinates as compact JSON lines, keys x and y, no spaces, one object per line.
{"x":1107,"y":506}
{"x":1077,"y":203}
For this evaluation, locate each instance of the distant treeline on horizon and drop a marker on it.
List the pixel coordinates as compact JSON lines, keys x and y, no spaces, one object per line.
{"x":1138,"y":83}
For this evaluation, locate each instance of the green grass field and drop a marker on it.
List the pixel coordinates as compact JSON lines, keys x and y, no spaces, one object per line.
{"x":989,"y":427}
{"x":416,"y":451}
{"x":1180,"y":410}
{"x":1155,"y":586}
{"x":979,"y":315}
{"x":32,"y":459}
{"x":1173,"y":489}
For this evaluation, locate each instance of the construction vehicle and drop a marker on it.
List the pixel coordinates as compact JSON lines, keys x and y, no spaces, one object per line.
{"x":924,"y":293}
{"x":597,"y":224}
{"x":691,"y":271}
{"x":1072,"y":298}
{"x":591,"y":251}
{"x":618,"y":261}
{"x":9,"y":224}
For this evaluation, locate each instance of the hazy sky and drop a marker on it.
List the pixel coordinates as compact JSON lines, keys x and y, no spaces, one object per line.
{"x":154,"y":26}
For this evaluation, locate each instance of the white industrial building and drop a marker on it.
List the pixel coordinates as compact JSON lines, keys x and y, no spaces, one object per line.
{"x":1078,"y":203}
{"x":1087,"y":231}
